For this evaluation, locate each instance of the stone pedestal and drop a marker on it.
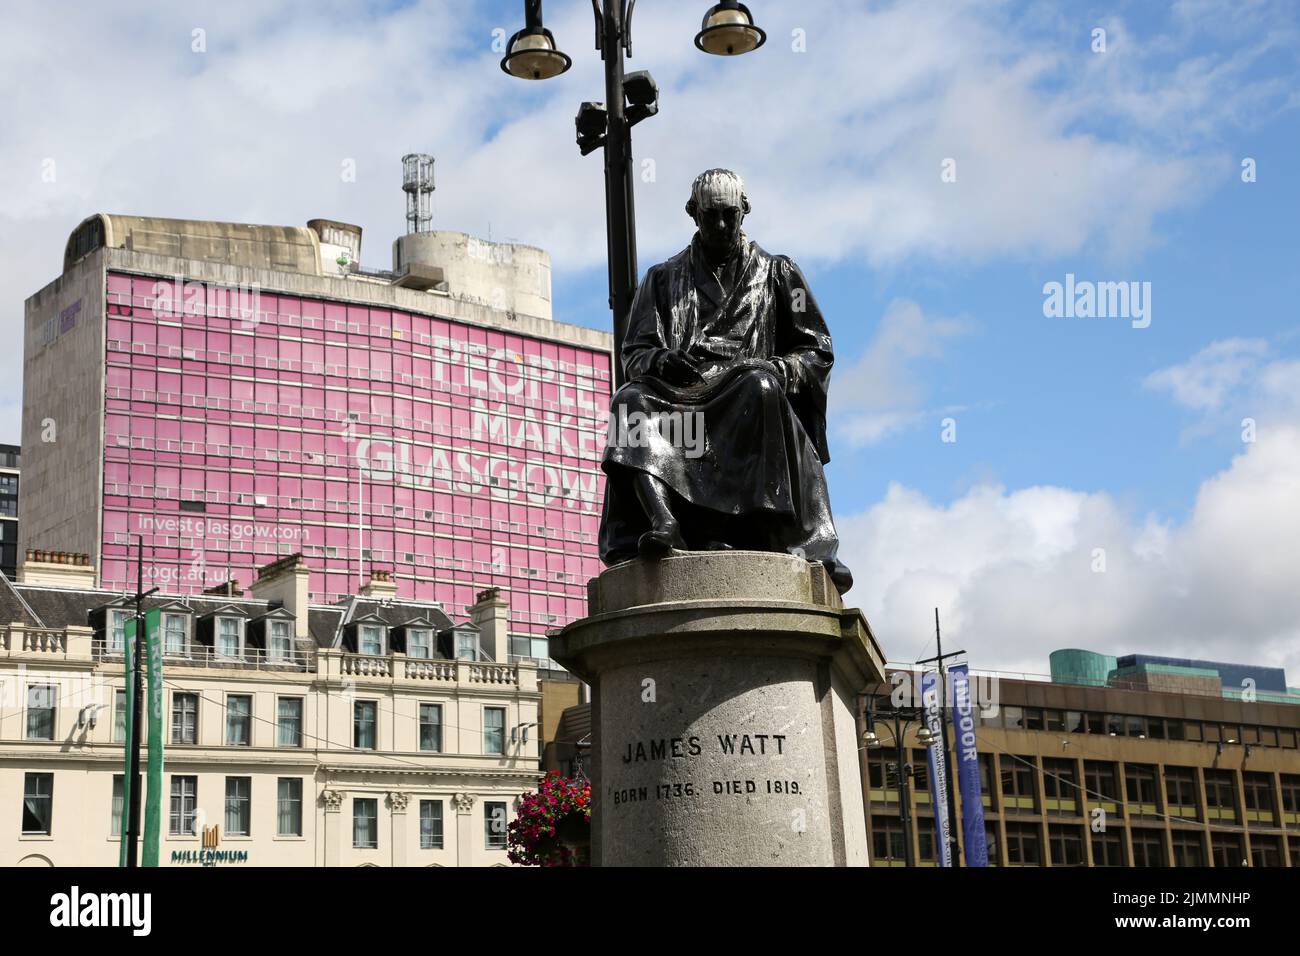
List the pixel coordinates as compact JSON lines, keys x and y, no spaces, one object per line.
{"x":723,"y":712}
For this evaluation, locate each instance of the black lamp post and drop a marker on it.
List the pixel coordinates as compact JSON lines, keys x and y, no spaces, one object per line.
{"x":727,"y":30}
{"x":898,"y":719}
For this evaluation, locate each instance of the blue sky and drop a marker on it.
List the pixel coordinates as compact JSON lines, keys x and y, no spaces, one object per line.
{"x":1074,"y":435}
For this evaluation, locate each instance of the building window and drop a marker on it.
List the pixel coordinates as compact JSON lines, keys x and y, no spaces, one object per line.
{"x":430,"y":824}
{"x":288,"y":807}
{"x":288,"y":722}
{"x":1291,"y":797}
{"x":1227,"y":849}
{"x":467,"y":646}
{"x":119,"y":799}
{"x":1148,"y":848}
{"x":372,"y":640}
{"x":1066,"y":844}
{"x":880,"y":772}
{"x":1142,"y":788}
{"x":1023,"y":845}
{"x":40,"y":712}
{"x":1060,"y":787}
{"x":1100,"y":781}
{"x":239,"y":722}
{"x":185,"y":719}
{"x":239,"y":798}
{"x":174,"y":636}
{"x":419,"y":643}
{"x":119,"y":716}
{"x":363,"y":724}
{"x":925,"y":840}
{"x":1188,"y":848}
{"x":229,"y":637}
{"x":1108,"y":848}
{"x":1220,"y":795}
{"x":38,"y":802}
{"x":1018,"y":787}
{"x":431,"y":727}
{"x":1180,"y":792}
{"x":920,"y":777}
{"x":118,"y":804}
{"x":494,"y":730}
{"x":886,"y":840}
{"x":280,"y":644}
{"x":116,"y":638}
{"x":1257,"y":789}
{"x":1265,"y":850}
{"x":365,"y":823}
{"x":185,"y":801}
{"x":494,"y":825}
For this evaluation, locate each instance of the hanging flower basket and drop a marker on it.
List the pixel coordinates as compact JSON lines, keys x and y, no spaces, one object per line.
{"x":553,"y":827}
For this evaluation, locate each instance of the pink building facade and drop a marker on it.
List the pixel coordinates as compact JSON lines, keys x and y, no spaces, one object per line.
{"x":240,"y":424}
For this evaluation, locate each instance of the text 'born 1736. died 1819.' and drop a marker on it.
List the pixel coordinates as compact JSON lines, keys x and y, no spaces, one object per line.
{"x":718,"y":438}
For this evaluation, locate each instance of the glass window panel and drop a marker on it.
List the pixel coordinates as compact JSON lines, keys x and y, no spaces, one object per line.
{"x":494,"y":730}
{"x":430,"y":824}
{"x":289,"y":806}
{"x":365,"y":823}
{"x":289,"y":722}
{"x":38,"y":802}
{"x":431,"y":727}
{"x":238,"y":805}
{"x":239,"y":719}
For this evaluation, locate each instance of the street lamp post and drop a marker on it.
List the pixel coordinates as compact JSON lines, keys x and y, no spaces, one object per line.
{"x":727,"y":30}
{"x":898,"y":720}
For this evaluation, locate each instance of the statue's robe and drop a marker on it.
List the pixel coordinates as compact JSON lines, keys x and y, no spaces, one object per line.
{"x":759,"y":484}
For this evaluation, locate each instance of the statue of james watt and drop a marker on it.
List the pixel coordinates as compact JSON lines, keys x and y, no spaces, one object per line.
{"x":726,"y":345}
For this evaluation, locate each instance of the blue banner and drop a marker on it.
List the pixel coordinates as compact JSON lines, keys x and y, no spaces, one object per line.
{"x":968,"y":769}
{"x":938,"y":769}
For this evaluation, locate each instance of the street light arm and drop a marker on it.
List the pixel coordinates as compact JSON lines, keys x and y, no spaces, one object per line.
{"x":600,"y":27}
{"x":627,"y":26}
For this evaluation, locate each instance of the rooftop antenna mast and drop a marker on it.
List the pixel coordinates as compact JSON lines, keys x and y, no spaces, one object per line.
{"x":417,"y":183}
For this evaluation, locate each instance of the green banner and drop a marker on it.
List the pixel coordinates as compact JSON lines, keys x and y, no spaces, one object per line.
{"x":154,"y":723}
{"x":128,"y":649}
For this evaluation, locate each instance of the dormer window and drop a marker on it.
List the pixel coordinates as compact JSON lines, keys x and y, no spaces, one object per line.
{"x":175,"y":634}
{"x":230,"y":637}
{"x":419,"y":643}
{"x":279,"y":640}
{"x":467,"y":646}
{"x":370,"y":639}
{"x":116,"y":637}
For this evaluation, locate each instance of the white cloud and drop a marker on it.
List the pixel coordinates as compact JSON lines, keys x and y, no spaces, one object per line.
{"x":841,"y":145}
{"x":1206,"y":380}
{"x":880,"y":393}
{"x":1013,"y":572}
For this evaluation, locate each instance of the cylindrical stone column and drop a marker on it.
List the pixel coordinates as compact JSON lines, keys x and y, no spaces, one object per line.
{"x":723,"y":712}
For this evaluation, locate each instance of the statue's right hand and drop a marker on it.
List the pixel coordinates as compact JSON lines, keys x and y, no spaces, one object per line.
{"x":676,"y":368}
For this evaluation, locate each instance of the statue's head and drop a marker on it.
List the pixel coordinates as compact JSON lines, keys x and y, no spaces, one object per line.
{"x":718,"y":205}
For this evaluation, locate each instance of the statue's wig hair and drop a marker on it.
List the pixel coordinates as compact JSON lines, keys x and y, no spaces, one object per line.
{"x":720,"y":182}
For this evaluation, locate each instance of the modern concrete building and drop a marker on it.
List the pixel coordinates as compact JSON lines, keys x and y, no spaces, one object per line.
{"x":1093,"y":768}
{"x":374,"y":730}
{"x":10,"y":463}
{"x":234,"y":393}
{"x":1105,"y":766}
